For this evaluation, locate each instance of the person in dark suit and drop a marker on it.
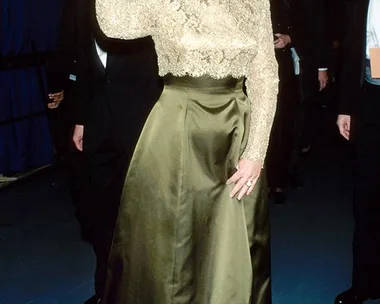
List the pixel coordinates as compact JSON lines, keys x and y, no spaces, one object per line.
{"x":311,"y":42}
{"x":310,"y":39}
{"x":281,"y":143}
{"x":359,"y":123}
{"x":117,"y":86}
{"x":299,"y":28}
{"x":61,"y":83}
{"x":61,"y":76}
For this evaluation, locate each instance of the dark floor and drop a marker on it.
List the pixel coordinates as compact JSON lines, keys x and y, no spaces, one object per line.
{"x":43,"y":261}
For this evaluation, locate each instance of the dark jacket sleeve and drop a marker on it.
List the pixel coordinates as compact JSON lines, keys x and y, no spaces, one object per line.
{"x":322,"y":45}
{"x":309,"y":32}
{"x":60,"y":61}
{"x":280,"y":12}
{"x":70,"y":58}
{"x":351,"y":56}
{"x":54,"y":75}
{"x":82,"y":88}
{"x":335,"y":20}
{"x":84,"y":41}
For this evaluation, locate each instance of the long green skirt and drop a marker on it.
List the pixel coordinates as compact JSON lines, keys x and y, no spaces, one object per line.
{"x":179,"y":237}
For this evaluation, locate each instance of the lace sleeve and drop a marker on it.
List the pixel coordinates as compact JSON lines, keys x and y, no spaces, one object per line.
{"x":123,"y":19}
{"x":262,"y":86}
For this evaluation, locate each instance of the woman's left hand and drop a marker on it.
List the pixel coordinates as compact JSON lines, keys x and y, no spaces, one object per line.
{"x":245,"y":178}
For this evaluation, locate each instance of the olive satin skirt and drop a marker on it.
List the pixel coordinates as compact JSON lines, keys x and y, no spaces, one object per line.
{"x":179,"y":237}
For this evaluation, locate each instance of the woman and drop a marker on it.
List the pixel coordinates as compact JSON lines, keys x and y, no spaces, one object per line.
{"x":194,"y":203}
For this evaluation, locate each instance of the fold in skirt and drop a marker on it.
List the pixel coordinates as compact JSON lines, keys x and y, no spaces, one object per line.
{"x":179,"y":237}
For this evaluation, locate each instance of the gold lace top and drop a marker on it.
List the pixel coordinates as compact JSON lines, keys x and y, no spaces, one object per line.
{"x":218,"y":38}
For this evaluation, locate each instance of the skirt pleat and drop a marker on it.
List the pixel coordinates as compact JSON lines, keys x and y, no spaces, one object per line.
{"x":179,"y":237}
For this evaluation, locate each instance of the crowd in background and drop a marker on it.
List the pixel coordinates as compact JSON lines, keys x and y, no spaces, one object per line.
{"x":307,"y":37}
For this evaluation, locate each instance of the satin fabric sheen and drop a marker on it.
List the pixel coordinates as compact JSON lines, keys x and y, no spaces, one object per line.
{"x":179,"y":237}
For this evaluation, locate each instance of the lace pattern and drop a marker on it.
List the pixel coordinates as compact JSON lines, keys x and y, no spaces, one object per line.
{"x":207,"y":37}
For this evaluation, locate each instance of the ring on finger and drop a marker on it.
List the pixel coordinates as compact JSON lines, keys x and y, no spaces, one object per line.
{"x":248,"y":184}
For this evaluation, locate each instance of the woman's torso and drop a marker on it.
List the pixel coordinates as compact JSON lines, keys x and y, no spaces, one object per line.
{"x":200,"y":37}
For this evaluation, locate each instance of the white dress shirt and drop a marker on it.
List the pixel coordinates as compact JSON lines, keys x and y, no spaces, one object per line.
{"x":102,"y":54}
{"x":373,"y":26}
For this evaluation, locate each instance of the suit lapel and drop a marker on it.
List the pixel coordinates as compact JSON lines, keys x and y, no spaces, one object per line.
{"x":94,"y":54}
{"x":110,"y":60}
{"x":365,"y":19}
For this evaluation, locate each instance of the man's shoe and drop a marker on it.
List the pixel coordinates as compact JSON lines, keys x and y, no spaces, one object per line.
{"x":349,"y":297}
{"x":93,"y":300}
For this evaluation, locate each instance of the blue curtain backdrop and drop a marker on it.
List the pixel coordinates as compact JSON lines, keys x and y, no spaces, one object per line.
{"x":25,"y":26}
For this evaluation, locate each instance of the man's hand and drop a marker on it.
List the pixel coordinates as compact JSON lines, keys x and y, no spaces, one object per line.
{"x":323,"y":79}
{"x":56,"y":100}
{"x":281,"y":41}
{"x":335,"y":44}
{"x":344,"y":125}
{"x":78,"y":137}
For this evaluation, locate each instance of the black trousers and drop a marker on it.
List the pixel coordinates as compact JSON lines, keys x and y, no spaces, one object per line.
{"x":61,"y":123}
{"x":283,"y":132}
{"x":79,"y":191}
{"x":366,"y":242}
{"x":309,"y":110}
{"x":106,"y":165}
{"x":60,"y":128}
{"x":310,"y":121}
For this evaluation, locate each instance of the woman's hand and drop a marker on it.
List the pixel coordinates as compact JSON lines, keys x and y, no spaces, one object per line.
{"x":245,"y":178}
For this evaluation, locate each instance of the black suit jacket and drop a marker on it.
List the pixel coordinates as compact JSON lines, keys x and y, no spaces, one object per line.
{"x":282,"y":23}
{"x":309,"y":32}
{"x":281,"y":16}
{"x":62,"y":61}
{"x":353,"y":53}
{"x":129,"y":84}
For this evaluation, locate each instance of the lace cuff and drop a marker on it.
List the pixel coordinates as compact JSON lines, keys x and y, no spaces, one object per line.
{"x":262,"y":89}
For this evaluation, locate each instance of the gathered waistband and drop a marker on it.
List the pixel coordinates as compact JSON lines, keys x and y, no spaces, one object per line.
{"x":204,"y":83}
